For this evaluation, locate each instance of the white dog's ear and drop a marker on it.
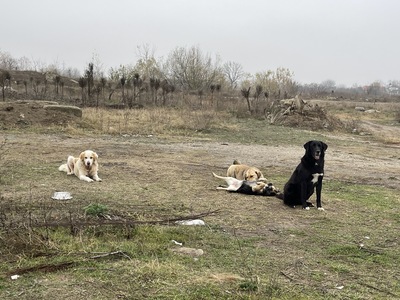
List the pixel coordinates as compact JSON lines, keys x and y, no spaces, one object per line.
{"x":95,"y":156}
{"x":82,"y":156}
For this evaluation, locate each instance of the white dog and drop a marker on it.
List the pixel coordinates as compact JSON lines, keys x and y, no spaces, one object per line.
{"x":85,"y":166}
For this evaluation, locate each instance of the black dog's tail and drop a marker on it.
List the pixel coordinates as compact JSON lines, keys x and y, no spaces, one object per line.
{"x":279,"y":196}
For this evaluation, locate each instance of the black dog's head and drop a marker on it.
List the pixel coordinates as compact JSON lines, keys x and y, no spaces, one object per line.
{"x":315,"y":149}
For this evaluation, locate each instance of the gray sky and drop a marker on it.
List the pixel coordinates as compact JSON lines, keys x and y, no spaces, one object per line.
{"x":348,"y":41}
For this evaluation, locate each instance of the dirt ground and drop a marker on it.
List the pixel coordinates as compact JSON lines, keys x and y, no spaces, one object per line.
{"x":352,"y":159}
{"x":154,"y":177}
{"x":21,"y":114}
{"x":159,"y":178}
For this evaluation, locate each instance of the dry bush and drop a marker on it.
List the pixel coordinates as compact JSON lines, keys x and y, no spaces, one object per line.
{"x":352,"y":125}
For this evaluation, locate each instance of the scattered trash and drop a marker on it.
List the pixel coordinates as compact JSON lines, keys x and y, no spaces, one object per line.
{"x":191,"y":222}
{"x":14,"y":277}
{"x":62,"y":196}
{"x":189,"y":251}
{"x":340,"y":287}
{"x":176,"y":243}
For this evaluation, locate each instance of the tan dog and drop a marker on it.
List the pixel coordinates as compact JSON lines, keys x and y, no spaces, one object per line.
{"x":85,"y":166}
{"x":259,"y":187}
{"x":244,"y":172}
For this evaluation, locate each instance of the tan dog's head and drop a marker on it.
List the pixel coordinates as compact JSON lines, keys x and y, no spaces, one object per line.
{"x":252,"y":175}
{"x":89,"y":158}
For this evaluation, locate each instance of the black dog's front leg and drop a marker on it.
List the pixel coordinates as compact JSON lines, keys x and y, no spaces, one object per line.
{"x":318,"y":190}
{"x":303,"y":195}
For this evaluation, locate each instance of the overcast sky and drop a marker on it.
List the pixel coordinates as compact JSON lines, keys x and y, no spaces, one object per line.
{"x":348,"y":41}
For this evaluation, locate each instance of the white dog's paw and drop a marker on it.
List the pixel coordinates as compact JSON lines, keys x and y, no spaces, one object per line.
{"x":97,"y":178}
{"x":321,"y":208}
{"x":307,"y":208}
{"x":85,"y":178}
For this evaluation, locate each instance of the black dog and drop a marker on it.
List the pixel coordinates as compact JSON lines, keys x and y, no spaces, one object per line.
{"x":260,"y":187}
{"x":307,"y":176}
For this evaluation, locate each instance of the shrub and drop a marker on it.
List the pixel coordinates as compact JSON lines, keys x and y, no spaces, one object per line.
{"x":95,"y":210}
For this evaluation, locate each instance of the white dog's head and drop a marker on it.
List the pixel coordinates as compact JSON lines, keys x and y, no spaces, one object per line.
{"x":89,"y":158}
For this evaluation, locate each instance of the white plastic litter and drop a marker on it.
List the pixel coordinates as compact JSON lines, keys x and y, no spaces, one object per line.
{"x":191,"y":222}
{"x":340,"y":287}
{"x":176,"y":243}
{"x":14,"y":277}
{"x":62,"y":196}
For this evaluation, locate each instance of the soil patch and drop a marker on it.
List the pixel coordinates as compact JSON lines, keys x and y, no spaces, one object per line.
{"x":31,"y":113}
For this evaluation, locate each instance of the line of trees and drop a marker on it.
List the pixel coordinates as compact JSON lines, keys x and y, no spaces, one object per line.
{"x":187,"y":70}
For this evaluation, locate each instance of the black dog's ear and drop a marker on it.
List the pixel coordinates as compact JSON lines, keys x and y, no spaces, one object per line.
{"x":307,"y":145}
{"x":324,"y":146}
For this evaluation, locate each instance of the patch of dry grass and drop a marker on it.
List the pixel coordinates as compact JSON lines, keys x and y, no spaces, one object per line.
{"x":156,"y":120}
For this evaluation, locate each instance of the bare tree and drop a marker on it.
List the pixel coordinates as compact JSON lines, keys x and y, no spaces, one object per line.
{"x":246,"y":94}
{"x":103,"y":82}
{"x":326,"y":87}
{"x":98,"y":67}
{"x":36,"y":86}
{"x":57,"y":80}
{"x":154,"y":86}
{"x":233,"y":72}
{"x":147,"y":65}
{"x":277,"y":82}
{"x":123,"y":81}
{"x":26,"y":87}
{"x":24,"y":63}
{"x":89,"y":74}
{"x":5,"y":79}
{"x":190,"y":69}
{"x":82,"y":81}
{"x":258,"y":92}
{"x":166,"y":89}
{"x":375,"y":88}
{"x":62,"y":89}
{"x":137,"y":85}
{"x":7,"y":62}
{"x":97,"y":90}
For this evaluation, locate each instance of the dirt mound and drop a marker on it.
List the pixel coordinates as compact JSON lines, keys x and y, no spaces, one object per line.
{"x":30,"y":113}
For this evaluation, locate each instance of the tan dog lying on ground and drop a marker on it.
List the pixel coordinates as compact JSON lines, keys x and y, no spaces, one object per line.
{"x":259,"y":187}
{"x":85,"y":166}
{"x":244,"y":172}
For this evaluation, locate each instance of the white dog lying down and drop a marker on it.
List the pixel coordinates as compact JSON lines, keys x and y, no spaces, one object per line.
{"x":260,"y":187}
{"x":85,"y":166}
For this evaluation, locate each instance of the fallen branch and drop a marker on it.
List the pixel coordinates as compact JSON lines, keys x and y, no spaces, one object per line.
{"x":378,"y":289}
{"x":290,"y":278}
{"x":47,"y":268}
{"x":43,"y":268}
{"x":102,"y":222}
{"x":111,"y":253}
